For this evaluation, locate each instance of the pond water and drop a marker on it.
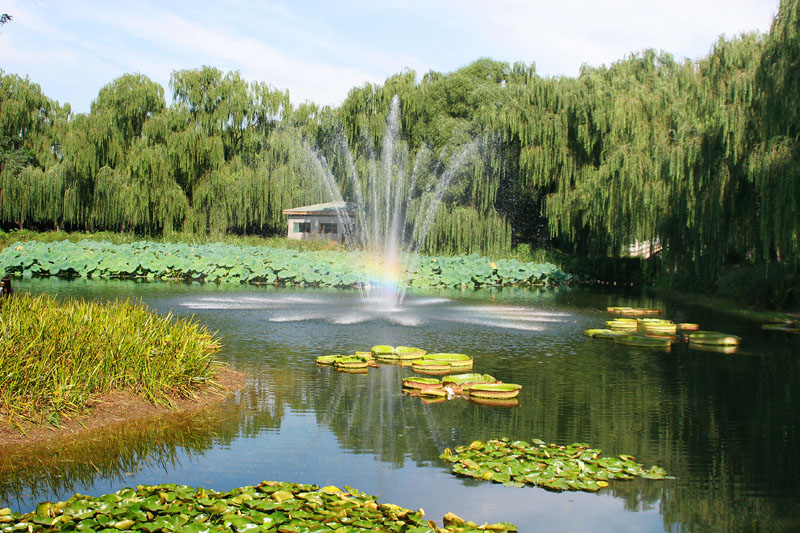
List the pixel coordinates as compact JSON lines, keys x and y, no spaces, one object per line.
{"x":725,"y":425}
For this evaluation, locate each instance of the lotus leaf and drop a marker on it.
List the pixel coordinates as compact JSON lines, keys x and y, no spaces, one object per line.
{"x":224,"y":263}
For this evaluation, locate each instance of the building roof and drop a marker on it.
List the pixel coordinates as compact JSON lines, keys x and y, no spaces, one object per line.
{"x":326,"y":209}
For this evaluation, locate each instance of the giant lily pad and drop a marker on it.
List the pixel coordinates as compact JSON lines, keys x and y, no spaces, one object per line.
{"x":494,"y":390}
{"x":494,"y":402}
{"x":422,"y":383}
{"x":657,"y":326}
{"x":431,"y":367}
{"x":327,"y":360}
{"x":728,"y":349}
{"x":458,"y":361}
{"x":633,"y":311}
{"x":408,"y":353}
{"x":351,"y":361}
{"x":460,"y":383}
{"x":383,"y":349}
{"x":643,"y":342}
{"x":714,"y":338}
{"x":623,"y":324}
{"x":596,"y":333}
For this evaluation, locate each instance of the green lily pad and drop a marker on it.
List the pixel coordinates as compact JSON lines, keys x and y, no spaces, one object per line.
{"x":551,"y":466}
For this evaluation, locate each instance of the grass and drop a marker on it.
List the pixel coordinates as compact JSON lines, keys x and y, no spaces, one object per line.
{"x":54,"y":356}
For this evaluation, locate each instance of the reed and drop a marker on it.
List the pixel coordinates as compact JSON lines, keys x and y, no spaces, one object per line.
{"x":55,"y":355}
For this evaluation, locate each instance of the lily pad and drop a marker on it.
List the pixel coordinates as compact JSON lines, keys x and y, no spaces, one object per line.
{"x":603,"y":333}
{"x":643,"y":342}
{"x":350,"y":361}
{"x":494,"y":390}
{"x":458,"y":361}
{"x":431,"y":367}
{"x":271,"y":505}
{"x":383,"y":349}
{"x":551,"y":466}
{"x":422,"y":383}
{"x":714,"y":338}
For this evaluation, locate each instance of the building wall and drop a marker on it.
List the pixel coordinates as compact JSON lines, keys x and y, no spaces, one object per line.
{"x":316,"y":225}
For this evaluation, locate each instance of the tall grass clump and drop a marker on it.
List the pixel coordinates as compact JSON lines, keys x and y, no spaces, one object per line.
{"x":54,"y":355}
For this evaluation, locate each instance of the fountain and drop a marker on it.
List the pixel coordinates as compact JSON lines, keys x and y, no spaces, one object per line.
{"x":394,"y":200}
{"x":382,"y":203}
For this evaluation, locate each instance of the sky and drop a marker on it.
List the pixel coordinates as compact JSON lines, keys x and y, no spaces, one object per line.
{"x":319,"y":50}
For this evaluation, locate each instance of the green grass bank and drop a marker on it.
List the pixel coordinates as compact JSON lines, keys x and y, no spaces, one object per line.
{"x":56,"y":355}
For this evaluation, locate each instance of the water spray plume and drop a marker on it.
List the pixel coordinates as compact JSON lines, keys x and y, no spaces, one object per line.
{"x":381,"y":200}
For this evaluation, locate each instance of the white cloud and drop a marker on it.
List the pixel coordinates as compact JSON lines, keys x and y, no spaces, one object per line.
{"x":320,"y":51}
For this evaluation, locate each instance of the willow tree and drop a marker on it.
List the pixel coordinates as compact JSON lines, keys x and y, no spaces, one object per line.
{"x":30,"y":152}
{"x":439,"y":115}
{"x":248,"y":195}
{"x":775,"y":161}
{"x":714,"y":215}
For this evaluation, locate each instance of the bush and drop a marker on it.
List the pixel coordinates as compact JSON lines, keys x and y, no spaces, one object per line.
{"x":775,"y":286}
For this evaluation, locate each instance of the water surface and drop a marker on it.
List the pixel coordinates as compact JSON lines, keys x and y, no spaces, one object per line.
{"x":724,"y":425}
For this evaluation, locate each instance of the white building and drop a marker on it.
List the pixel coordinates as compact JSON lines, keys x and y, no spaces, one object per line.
{"x":320,"y":221}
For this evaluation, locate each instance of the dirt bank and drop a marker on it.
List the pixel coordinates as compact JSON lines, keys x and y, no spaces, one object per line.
{"x":116,"y":407}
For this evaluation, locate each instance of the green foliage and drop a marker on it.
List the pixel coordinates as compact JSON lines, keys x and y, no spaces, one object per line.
{"x":558,"y":468}
{"x":751,"y":285}
{"x":269,"y":506}
{"x":220,"y":262}
{"x":55,"y":355}
{"x":701,"y":156}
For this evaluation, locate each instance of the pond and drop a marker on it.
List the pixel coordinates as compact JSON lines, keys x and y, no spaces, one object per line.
{"x":725,"y":425}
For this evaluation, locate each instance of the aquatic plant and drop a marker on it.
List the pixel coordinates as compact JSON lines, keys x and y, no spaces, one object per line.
{"x":56,"y":354}
{"x":551,"y":466}
{"x":421,"y":383}
{"x":633,"y":311}
{"x":643,"y":341}
{"x":457,"y":361}
{"x":714,"y":338}
{"x":269,"y":506}
{"x":462,"y":382}
{"x":494,"y":391}
{"x":253,"y":264}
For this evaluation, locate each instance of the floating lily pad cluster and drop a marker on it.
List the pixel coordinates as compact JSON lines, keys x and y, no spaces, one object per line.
{"x":270,"y":506}
{"x":259,"y":264}
{"x":660,"y":332}
{"x":559,"y":468}
{"x":480,"y":388}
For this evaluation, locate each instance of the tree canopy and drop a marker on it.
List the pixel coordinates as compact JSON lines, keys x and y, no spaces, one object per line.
{"x":699,"y":158}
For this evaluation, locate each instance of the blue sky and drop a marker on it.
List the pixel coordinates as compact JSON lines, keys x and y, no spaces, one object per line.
{"x":318,"y":50}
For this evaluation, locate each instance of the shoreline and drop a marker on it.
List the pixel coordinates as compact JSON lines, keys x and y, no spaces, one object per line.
{"x":118,"y":407}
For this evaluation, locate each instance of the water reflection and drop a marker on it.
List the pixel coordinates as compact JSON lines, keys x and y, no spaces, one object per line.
{"x":57,"y":469}
{"x":346,"y":309}
{"x":724,"y":424}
